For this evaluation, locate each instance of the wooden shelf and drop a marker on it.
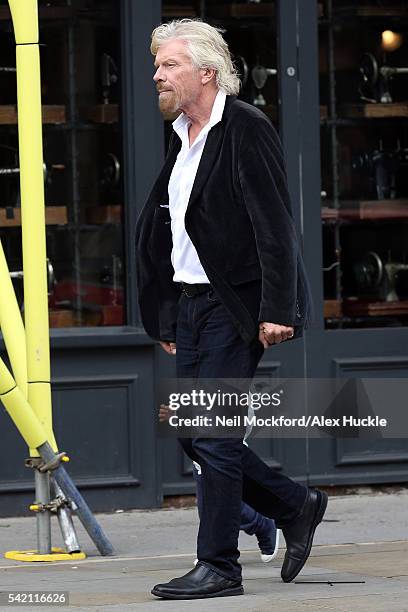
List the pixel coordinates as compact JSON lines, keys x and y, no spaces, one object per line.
{"x":367,"y":210}
{"x":105,"y":315}
{"x":263,"y":9}
{"x":373,"y":111}
{"x":229,"y":10}
{"x":332,"y":309}
{"x":63,"y":318}
{"x":370,"y":308}
{"x":178,"y":10}
{"x":54,"y":215}
{"x":371,"y":11}
{"x":44,"y":12}
{"x":103,"y":113}
{"x":329,"y":214}
{"x":51,"y":114}
{"x":104,"y":214}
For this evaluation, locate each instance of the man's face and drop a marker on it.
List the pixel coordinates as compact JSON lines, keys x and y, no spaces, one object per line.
{"x":177,"y":80}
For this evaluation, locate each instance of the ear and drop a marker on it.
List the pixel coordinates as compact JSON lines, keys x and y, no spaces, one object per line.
{"x":207,"y":74}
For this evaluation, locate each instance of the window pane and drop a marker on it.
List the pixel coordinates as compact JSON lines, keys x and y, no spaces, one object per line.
{"x":80,"y":64}
{"x":364,"y":144}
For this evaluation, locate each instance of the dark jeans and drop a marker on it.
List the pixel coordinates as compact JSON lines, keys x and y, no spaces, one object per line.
{"x":209,"y":346}
{"x":251,"y":521}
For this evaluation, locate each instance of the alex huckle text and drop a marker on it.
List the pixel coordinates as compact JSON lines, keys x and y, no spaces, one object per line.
{"x":277,"y":421}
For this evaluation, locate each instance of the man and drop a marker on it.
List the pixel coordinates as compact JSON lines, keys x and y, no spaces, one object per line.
{"x":221,"y":278}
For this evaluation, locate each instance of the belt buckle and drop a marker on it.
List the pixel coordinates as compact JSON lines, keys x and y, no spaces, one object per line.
{"x":185,"y":291}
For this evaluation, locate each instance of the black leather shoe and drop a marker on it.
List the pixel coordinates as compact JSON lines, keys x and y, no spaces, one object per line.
{"x":201,"y":582}
{"x":299,"y":534}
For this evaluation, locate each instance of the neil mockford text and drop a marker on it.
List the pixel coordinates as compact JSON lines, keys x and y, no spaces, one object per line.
{"x":276,"y":421}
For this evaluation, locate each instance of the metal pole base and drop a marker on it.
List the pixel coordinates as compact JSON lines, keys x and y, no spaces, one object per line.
{"x":56,"y":554}
{"x":65,"y":521}
{"x":78,"y":504}
{"x":45,"y":508}
{"x":42,"y":496}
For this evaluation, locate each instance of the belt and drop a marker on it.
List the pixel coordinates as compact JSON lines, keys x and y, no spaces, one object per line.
{"x":193,"y":290}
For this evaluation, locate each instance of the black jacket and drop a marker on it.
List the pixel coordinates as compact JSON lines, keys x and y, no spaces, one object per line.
{"x":240,"y":221}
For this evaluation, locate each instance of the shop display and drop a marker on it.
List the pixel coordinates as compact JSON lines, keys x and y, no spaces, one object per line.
{"x":364,"y":140}
{"x":80,"y":47}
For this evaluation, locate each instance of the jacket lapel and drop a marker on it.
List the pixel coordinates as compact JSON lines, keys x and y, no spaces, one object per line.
{"x":210,"y":154}
{"x":208,"y":157}
{"x":159,"y":193}
{"x":164,"y":176}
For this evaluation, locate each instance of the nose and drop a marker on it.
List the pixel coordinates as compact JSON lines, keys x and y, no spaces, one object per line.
{"x":158,"y":75}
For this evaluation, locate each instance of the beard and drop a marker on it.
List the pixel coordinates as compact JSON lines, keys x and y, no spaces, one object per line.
{"x":169,"y":102}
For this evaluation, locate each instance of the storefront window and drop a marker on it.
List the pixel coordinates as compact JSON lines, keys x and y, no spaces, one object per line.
{"x":80,"y":64}
{"x":364,"y":144}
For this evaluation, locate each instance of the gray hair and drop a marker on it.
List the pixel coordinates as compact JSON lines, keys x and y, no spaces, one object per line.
{"x":206,"y":47}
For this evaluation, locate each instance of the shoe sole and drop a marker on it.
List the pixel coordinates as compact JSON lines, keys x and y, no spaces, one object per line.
{"x":225,"y":593}
{"x":318,"y":519}
{"x":269,"y":558}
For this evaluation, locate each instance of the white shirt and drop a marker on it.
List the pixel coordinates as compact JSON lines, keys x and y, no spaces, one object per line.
{"x":186,"y":264}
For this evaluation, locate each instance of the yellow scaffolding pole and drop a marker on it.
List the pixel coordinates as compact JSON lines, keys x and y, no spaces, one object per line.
{"x":25,"y":21}
{"x":29,"y":400}
{"x":20,"y":410}
{"x":12,"y":327}
{"x":37,"y":353}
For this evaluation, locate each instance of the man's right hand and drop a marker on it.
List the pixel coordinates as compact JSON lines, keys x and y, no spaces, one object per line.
{"x":169,"y":347}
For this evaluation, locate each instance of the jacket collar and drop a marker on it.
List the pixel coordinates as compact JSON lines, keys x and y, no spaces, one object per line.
{"x":209,"y":155}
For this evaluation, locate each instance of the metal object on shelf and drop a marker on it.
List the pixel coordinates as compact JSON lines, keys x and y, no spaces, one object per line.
{"x":259,"y":76}
{"x":373,"y":275}
{"x":369,"y":271}
{"x":19,"y":274}
{"x":383,"y":166}
{"x":375,"y":83}
{"x":109,"y":76}
{"x":242,"y":69}
{"x":12,"y":194}
{"x":110,"y":171}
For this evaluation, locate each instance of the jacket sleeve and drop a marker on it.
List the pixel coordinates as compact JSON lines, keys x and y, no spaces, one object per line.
{"x":263,"y":184}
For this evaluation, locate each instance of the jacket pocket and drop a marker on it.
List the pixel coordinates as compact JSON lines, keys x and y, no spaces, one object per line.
{"x":245,"y":273}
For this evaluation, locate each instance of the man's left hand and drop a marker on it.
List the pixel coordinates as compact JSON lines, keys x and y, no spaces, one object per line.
{"x":272,"y":333}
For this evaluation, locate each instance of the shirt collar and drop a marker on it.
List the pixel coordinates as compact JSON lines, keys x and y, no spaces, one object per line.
{"x":180,"y":125}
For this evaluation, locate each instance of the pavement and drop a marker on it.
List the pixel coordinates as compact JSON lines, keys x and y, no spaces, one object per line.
{"x":359,"y":562}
